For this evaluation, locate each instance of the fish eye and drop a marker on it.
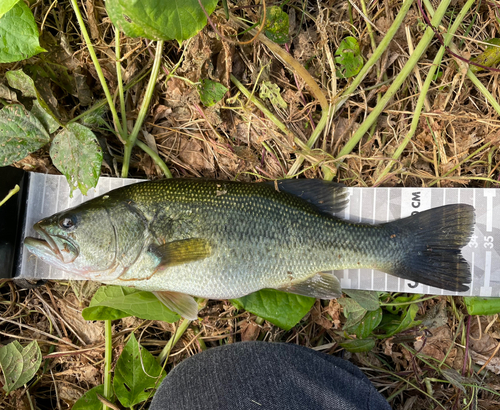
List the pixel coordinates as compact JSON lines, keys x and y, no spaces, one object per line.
{"x":67,"y":221}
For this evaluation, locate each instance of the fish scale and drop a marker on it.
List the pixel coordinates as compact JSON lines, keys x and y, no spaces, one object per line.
{"x":222,"y":240}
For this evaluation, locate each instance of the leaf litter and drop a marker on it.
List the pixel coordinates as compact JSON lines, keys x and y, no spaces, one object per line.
{"x":455,"y":144}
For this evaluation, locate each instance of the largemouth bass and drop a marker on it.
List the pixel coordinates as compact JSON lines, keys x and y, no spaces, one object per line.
{"x":220,"y":240}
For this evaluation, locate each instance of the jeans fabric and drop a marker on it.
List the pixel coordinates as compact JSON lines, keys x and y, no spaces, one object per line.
{"x":260,"y":375}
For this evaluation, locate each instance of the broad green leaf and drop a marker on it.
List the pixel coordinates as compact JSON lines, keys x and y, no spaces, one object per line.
{"x":6,"y":5}
{"x":137,"y":373}
{"x":22,"y":82}
{"x":211,"y":92}
{"x":365,"y":327}
{"x":404,"y":322}
{"x":277,"y":25}
{"x":122,"y":21}
{"x":89,"y":400}
{"x":283,"y":309}
{"x":160,"y":19}
{"x":19,"y":364}
{"x":404,"y":303}
{"x":20,"y":134}
{"x":348,"y":58}
{"x":489,"y":57}
{"x":366,"y":298}
{"x":75,"y":152}
{"x":272,"y":92}
{"x":477,"y":305}
{"x":353,"y":311}
{"x":116,"y":302}
{"x":18,"y":34}
{"x":358,"y":345}
{"x":11,"y":362}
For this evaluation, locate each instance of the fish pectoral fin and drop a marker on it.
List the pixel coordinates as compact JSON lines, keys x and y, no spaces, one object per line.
{"x":180,"y":303}
{"x":327,"y":196}
{"x":182,"y":251}
{"x":321,"y":285}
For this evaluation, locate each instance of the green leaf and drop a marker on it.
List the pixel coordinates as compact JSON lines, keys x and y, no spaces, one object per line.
{"x":272,"y":92}
{"x":137,"y":373}
{"x":22,"y":82}
{"x":402,"y":323}
{"x":477,"y":305}
{"x":76,"y":152}
{"x":489,"y":57}
{"x":366,"y":298}
{"x":368,"y":323}
{"x":283,"y":309}
{"x":277,"y":25}
{"x":353,"y":311}
{"x":20,"y":134}
{"x":358,"y":345}
{"x":19,"y":364}
{"x":18,"y":34}
{"x":11,"y":362}
{"x":211,"y":92}
{"x":159,"y":19}
{"x":116,"y":302}
{"x":6,"y":5}
{"x":90,"y":401}
{"x":348,"y":58}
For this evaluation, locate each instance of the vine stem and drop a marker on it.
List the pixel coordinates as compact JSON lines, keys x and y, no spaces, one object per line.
{"x":129,"y":144}
{"x":108,"y":358}
{"x":121,"y":93}
{"x":377,"y":54}
{"x":156,"y":158}
{"x":405,"y":72}
{"x":173,"y":340}
{"x":425,"y":88}
{"x":11,"y":193}
{"x":98,"y":69}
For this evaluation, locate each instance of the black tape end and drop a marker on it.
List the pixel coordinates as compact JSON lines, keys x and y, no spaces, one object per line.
{"x":12,"y":217}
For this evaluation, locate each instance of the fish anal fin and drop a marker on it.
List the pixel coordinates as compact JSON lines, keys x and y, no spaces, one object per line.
{"x":320,"y":285}
{"x":182,"y":251}
{"x":180,"y":303}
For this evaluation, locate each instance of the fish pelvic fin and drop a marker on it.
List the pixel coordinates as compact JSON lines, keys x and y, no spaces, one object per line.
{"x":320,"y":285}
{"x":180,"y":303}
{"x":182,"y":251}
{"x":433,"y":240}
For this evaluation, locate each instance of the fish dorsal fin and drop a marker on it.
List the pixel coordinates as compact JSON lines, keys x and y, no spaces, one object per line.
{"x":327,"y":196}
{"x":182,"y":251}
{"x":180,"y":303}
{"x":321,"y":285}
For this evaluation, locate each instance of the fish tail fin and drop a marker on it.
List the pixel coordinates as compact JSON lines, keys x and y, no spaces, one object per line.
{"x":433,"y":240}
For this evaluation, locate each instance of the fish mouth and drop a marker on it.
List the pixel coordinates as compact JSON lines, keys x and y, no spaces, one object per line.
{"x":66,"y":251}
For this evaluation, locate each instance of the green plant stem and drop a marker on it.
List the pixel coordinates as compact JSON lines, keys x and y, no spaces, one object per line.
{"x":262,"y":107}
{"x":410,"y":302}
{"x":156,"y":158}
{"x":11,"y":193}
{"x":405,"y":72}
{"x":129,"y":144}
{"x":377,"y":54}
{"x":108,"y":358}
{"x":315,"y":89}
{"x":173,"y":340}
{"x":100,"y":74}
{"x":461,"y":162}
{"x":483,"y":90}
{"x":121,"y":93}
{"x":425,"y":88}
